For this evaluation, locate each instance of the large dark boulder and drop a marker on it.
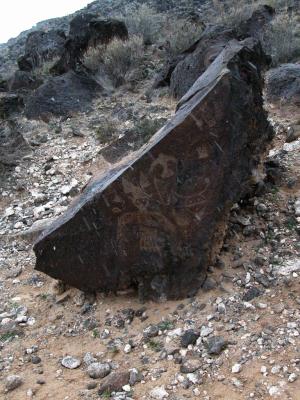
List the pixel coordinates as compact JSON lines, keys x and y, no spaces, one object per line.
{"x":40,"y":47}
{"x":183,"y":70}
{"x":87,"y":30}
{"x":187,"y":71}
{"x":157,"y":220}
{"x":23,"y":81}
{"x":13,"y":146}
{"x":283,"y":84}
{"x":62,"y":96}
{"x":10,"y":104}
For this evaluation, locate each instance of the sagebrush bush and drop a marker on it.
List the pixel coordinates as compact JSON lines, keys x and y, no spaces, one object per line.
{"x":231,"y":12}
{"x":116,"y":59}
{"x":147,"y":127}
{"x":181,"y":35}
{"x":280,"y":39}
{"x":93,"y":57}
{"x":121,"y":56}
{"x":144,"y":21}
{"x":107,"y":131}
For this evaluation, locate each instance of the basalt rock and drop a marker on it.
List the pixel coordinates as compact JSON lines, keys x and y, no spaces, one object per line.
{"x":157,"y":220}
{"x":184,"y":69}
{"x":13,"y":146}
{"x":62,"y":95}
{"x":22,"y":82}
{"x":10,"y":104}
{"x":283,"y":84}
{"x":40,"y":47}
{"x":87,"y":30}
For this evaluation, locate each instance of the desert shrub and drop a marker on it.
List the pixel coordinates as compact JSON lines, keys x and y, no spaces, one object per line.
{"x":280,"y":40}
{"x":144,"y":21}
{"x":231,"y":12}
{"x":107,"y":131}
{"x":93,"y":57}
{"x":181,"y":35}
{"x":116,"y":59}
{"x":121,"y":56}
{"x":146,"y":127}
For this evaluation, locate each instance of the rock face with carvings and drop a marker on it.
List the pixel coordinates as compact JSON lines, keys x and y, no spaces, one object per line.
{"x":157,"y":220}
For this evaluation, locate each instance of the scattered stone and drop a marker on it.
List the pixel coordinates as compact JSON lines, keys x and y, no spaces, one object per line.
{"x":189,"y":337}
{"x":190,"y":365}
{"x":13,"y":382}
{"x":70,"y":362}
{"x":159,"y":393}
{"x":251,"y":294}
{"x":215,"y":345}
{"x":151,"y":331}
{"x":114,"y":382}
{"x":292,"y":377}
{"x":236,"y":368}
{"x":98,"y":370}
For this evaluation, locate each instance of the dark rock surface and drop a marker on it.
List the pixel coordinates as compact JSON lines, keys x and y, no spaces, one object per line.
{"x":12,"y":144}
{"x":62,"y":95}
{"x":85,"y":31}
{"x":23,"y":81}
{"x":157,"y":220}
{"x":114,"y":382}
{"x":40,"y":47}
{"x":10,"y":104}
{"x":283,"y":84}
{"x":183,"y":70}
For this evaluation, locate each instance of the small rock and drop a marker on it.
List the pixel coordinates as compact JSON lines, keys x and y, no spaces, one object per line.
{"x":151,"y":331}
{"x":274,"y":391}
{"x":13,"y":382}
{"x":159,"y":393}
{"x":189,"y":337}
{"x":215,"y":345}
{"x":127,"y":348}
{"x":36,"y":359}
{"x":205,"y":331}
{"x":236,"y":368}
{"x":190,"y":366}
{"x":70,"y":362}
{"x":251,"y":294}
{"x":114,"y":382}
{"x":135,"y":377}
{"x":98,"y":370}
{"x":292,"y":377}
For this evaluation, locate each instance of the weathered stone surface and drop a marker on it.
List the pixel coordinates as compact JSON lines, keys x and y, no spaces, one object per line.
{"x":23,"y":81}
{"x":283,"y":84}
{"x":13,"y":146}
{"x":114,"y":382}
{"x":87,"y":30}
{"x":41,"y":46}
{"x":10,"y":104}
{"x":181,"y":72}
{"x":157,"y":220}
{"x":62,"y":95}
{"x":203,"y":53}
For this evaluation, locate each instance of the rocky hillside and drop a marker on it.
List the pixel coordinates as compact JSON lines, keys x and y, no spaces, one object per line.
{"x":150,"y":203}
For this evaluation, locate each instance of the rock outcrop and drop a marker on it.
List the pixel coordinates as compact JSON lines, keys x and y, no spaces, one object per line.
{"x":10,"y":104}
{"x":283,"y":84}
{"x":62,"y":95}
{"x":13,"y":146}
{"x":86,"y":31}
{"x":157,"y":220}
{"x":40,"y":47}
